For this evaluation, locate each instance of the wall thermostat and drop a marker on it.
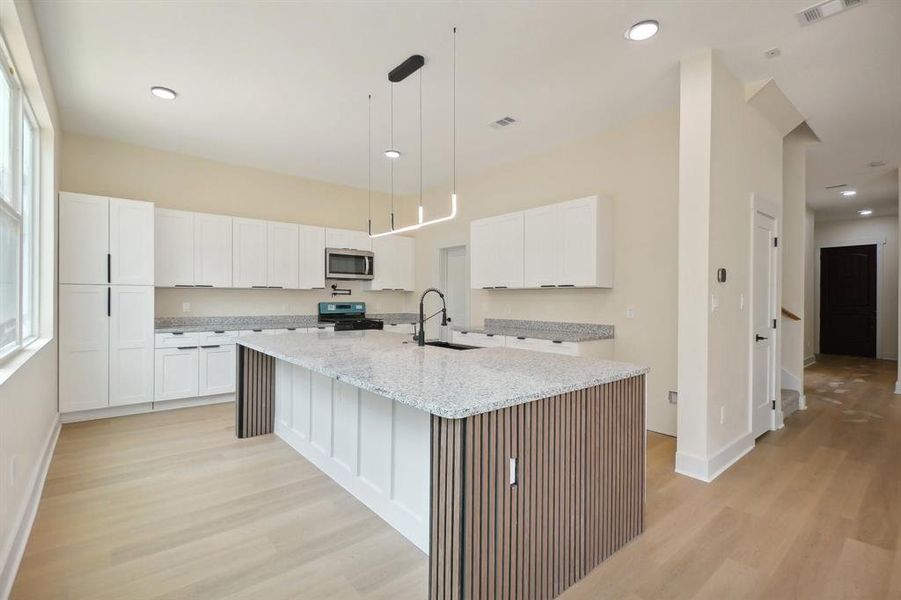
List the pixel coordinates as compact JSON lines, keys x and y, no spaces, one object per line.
{"x":721,"y":275}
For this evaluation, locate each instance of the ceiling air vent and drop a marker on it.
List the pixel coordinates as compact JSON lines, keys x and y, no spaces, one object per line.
{"x":501,"y":123}
{"x":825,"y":9}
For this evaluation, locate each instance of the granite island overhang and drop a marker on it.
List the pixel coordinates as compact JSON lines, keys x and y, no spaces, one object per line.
{"x":516,"y":471}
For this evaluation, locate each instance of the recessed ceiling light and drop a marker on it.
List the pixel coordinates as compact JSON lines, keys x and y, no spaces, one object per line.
{"x":163,"y":92}
{"x":642,"y":30}
{"x":849,"y":193}
{"x":392,"y":153}
{"x":865,"y":212}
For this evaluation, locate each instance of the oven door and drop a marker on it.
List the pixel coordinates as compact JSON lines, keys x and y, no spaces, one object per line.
{"x":348,"y":264}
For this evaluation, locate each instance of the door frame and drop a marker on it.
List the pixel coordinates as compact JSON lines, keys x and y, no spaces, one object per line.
{"x":773,"y":211}
{"x":880,"y":266}
{"x":442,"y":278}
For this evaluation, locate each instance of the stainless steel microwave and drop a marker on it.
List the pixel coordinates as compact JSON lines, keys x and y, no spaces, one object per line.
{"x":343,"y":263}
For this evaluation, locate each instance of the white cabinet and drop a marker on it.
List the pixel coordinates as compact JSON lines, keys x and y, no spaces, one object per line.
{"x":217,"y":369}
{"x":405,"y":328}
{"x":174,"y":248}
{"x":482,"y":340}
{"x":569,"y":244}
{"x":394,"y":262}
{"x":312,"y":257}
{"x":83,"y":347}
{"x":83,"y":238}
{"x":249,"y":264}
{"x":130,"y":345}
{"x":347,"y":238}
{"x":497,"y":252}
{"x":540,"y":345}
{"x":177,"y":372}
{"x":105,"y":240}
{"x":282,"y":255}
{"x":131,"y":242}
{"x":212,"y":250}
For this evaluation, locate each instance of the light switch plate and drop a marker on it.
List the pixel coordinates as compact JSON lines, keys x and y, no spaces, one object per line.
{"x":630,"y":312}
{"x":185,"y":307}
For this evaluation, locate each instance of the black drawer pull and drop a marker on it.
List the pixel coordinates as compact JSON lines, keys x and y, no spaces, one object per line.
{"x":187,"y":347}
{"x":223,"y":331}
{"x":183,"y":285}
{"x":213,"y":346}
{"x":203,"y":285}
{"x":548,"y":285}
{"x":557,"y":341}
{"x":567,"y":285}
{"x":520,"y":338}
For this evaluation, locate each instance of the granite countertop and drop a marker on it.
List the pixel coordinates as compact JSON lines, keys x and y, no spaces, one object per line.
{"x":545,"y":330}
{"x":192,"y":324}
{"x":447,"y":383}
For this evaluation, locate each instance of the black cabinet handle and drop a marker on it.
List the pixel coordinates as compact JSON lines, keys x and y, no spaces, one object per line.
{"x":487,"y":287}
{"x":500,"y":287}
{"x":548,"y":285}
{"x":567,"y":285}
{"x":109,"y":302}
{"x":223,"y":331}
{"x":203,"y":285}
{"x":557,"y":341}
{"x":260,"y":287}
{"x":275,"y":287}
{"x":213,"y":346}
{"x":489,"y":335}
{"x":758,"y":338}
{"x":183,"y":285}
{"x":187,"y":347}
{"x":256,"y":330}
{"x":520,"y":338}
{"x":109,"y":268}
{"x":178,"y":333}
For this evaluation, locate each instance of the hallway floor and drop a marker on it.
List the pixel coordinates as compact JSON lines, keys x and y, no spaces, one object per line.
{"x":171,"y":505}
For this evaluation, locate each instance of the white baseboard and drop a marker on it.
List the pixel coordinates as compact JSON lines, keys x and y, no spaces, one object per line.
{"x":898,"y":387}
{"x":802,"y":402}
{"x":809,"y":360}
{"x":10,"y":567}
{"x":707,"y":470}
{"x":889,"y":356}
{"x":137,"y":409}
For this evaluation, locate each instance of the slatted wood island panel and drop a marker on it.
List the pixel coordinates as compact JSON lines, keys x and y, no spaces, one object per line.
{"x":578,"y":493}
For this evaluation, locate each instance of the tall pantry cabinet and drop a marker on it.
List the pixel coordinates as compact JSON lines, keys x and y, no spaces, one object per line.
{"x":105,"y":302}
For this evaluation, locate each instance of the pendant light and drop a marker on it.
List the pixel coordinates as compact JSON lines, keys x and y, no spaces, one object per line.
{"x":398,"y":74}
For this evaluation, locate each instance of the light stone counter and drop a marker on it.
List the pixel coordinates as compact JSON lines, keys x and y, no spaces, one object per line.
{"x":448,"y":383}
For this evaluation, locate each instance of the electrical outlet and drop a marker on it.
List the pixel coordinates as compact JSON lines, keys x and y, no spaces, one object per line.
{"x":722,"y":415}
{"x":741,"y":302}
{"x":185,"y":307}
{"x":630,"y":312}
{"x":13,"y":462}
{"x":714,"y":302}
{"x":673,"y":397}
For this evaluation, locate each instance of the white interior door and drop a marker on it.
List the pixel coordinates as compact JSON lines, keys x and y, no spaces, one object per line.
{"x":83,"y":238}
{"x":131,"y":344}
{"x":83,"y":347}
{"x":131,"y":242}
{"x":455,"y":286}
{"x":763,"y":387}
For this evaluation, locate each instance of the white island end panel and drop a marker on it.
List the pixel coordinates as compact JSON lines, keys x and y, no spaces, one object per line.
{"x":374,"y":447}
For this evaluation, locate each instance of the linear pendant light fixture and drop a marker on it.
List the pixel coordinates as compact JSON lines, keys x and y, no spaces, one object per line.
{"x":398,"y":74}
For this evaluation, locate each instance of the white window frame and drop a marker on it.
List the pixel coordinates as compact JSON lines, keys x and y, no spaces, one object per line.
{"x":15,"y":207}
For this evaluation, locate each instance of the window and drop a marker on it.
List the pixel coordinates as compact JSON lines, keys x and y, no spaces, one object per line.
{"x":19,"y":135}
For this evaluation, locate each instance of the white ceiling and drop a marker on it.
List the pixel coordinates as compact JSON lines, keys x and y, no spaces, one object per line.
{"x":283,"y":85}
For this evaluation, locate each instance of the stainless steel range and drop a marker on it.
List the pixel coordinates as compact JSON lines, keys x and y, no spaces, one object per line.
{"x":347,"y":316}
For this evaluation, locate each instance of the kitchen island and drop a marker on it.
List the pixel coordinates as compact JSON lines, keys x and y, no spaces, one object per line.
{"x":516,"y":471}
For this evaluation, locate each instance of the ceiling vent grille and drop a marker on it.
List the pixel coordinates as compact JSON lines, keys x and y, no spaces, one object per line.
{"x":501,"y":123}
{"x":825,"y":9}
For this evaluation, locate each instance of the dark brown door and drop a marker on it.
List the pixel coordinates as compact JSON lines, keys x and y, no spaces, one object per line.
{"x":848,"y":300}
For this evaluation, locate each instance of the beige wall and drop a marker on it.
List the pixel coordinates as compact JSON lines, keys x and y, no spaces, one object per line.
{"x":28,"y":381}
{"x":637,"y":166}
{"x":810,"y":266}
{"x":97,"y":166}
{"x":831,"y":233}
{"x":742,"y":152}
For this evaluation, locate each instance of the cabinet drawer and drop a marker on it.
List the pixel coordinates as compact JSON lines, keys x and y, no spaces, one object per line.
{"x":539,"y":345}
{"x":483,"y":340}
{"x":217,"y":338}
{"x":406,"y":328}
{"x":316,"y":328}
{"x":177,"y":340}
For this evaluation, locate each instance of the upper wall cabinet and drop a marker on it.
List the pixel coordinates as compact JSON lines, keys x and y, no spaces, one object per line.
{"x":393,"y":266}
{"x":497,"y":252}
{"x":569,"y":244}
{"x":105,"y":240}
{"x":249,"y":265}
{"x":347,"y":238}
{"x":192,"y":249}
{"x":312,"y":258}
{"x":282,"y":255}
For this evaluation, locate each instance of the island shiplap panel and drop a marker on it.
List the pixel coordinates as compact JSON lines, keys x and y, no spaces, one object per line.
{"x":375,"y":448}
{"x":573,"y":495}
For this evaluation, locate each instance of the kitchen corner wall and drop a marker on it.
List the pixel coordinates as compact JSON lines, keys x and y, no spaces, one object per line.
{"x":637,"y":166}
{"x":103,"y":167}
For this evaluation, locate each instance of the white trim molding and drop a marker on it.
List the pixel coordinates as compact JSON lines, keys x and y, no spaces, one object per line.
{"x":898,"y":387}
{"x":707,"y":470}
{"x":13,"y":559}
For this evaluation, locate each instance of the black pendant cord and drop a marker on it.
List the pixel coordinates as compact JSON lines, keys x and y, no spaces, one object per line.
{"x":419,"y":215}
{"x":369,"y":161}
{"x":391,"y":86}
{"x":455,"y":114}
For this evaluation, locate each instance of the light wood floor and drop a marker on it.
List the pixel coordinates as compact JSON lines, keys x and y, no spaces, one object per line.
{"x":171,"y":505}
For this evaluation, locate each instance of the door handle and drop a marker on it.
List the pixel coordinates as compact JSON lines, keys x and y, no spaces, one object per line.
{"x":109,"y":302}
{"x":758,"y":338}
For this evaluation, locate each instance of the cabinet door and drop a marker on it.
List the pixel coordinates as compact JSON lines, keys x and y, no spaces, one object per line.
{"x":131,"y":242}
{"x":579,"y":237}
{"x":312,"y":258}
{"x":405,"y":267}
{"x":480,"y":254}
{"x":212,"y":250}
{"x":217,"y":370}
{"x":347,"y":238}
{"x":176,"y":373}
{"x":83,"y":238}
{"x":282,"y":255}
{"x":83,"y":347}
{"x":249,"y":262}
{"x":384,"y":264}
{"x":173,"y":248}
{"x":507,"y":239}
{"x":131,"y":345}
{"x":541,"y":247}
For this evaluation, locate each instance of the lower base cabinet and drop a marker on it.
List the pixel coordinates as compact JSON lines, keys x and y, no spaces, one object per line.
{"x":193,"y":367}
{"x":217,"y":370}
{"x":177,"y":373}
{"x":602,"y":349}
